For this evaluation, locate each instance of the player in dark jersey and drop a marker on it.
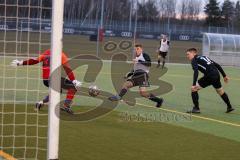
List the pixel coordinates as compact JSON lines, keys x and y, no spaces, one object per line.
{"x":138,"y":77}
{"x":71,"y":84}
{"x":211,"y":70}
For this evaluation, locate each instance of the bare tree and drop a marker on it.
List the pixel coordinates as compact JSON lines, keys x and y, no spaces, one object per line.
{"x":183,"y":9}
{"x":167,"y":8}
{"x":237,"y":16}
{"x":147,"y":11}
{"x":194,"y":9}
{"x":117,"y":9}
{"x":190,"y":9}
{"x":74,"y":9}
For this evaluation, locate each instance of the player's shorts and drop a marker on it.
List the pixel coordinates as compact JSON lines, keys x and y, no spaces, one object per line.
{"x":139,"y":79}
{"x":162,"y":54}
{"x":65,"y":83}
{"x":213,"y":80}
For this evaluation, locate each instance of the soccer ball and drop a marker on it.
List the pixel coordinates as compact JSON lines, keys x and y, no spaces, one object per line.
{"x":93,"y":91}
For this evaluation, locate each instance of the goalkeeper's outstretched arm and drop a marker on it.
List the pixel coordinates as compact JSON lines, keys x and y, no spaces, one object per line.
{"x":30,"y":61}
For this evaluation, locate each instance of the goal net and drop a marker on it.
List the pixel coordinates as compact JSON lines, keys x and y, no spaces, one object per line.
{"x":25,"y":32}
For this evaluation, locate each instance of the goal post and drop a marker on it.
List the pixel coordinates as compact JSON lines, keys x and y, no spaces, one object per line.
{"x":27,"y":29}
{"x":54,"y":90}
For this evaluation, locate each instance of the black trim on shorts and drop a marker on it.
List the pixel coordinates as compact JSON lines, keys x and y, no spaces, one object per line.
{"x":139,"y":79}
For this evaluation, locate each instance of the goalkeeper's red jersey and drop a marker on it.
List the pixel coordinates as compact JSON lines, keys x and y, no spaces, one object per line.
{"x":45,"y":59}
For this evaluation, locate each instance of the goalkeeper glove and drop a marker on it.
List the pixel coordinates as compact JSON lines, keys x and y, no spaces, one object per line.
{"x":16,"y":63}
{"x":77,"y":84}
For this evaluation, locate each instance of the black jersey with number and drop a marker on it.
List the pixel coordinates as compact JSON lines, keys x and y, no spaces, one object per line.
{"x":205,"y":65}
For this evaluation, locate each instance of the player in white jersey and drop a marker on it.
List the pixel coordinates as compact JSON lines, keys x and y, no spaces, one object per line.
{"x":138,"y":77}
{"x":163,"y":50}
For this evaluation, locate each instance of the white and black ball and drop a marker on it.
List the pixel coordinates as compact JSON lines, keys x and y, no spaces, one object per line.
{"x":93,"y":91}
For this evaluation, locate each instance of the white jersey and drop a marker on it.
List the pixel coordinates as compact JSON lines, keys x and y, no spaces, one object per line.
{"x":164,"y":46}
{"x":145,"y":59}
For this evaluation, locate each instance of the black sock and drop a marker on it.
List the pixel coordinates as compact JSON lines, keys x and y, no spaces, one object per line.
{"x":163,"y":63}
{"x":195,"y":98}
{"x":226,"y":100}
{"x":154,"y":98}
{"x":123,"y":92}
{"x":158,"y":61}
{"x":46,"y":99}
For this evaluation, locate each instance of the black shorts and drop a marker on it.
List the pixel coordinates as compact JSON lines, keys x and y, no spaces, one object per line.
{"x":162,"y":54}
{"x":139,"y":79}
{"x":213,"y":80}
{"x":65,"y":83}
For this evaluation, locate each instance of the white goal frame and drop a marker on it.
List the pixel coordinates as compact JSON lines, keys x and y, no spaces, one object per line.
{"x":54,"y":90}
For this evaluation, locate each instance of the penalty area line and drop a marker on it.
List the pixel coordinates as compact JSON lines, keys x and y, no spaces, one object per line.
{"x":195,"y":116}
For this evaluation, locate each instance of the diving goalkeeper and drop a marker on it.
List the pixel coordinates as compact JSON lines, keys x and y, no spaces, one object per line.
{"x":71,"y":84}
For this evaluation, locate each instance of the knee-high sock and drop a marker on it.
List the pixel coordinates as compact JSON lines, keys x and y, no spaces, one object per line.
{"x":46,"y":99}
{"x":123,"y":92}
{"x":70,"y":94}
{"x":195,"y":98}
{"x":154,"y":98}
{"x":163,"y":63}
{"x":226,"y":100}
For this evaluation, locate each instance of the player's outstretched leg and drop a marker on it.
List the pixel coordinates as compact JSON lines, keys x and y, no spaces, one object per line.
{"x":126,"y":86}
{"x":225,"y":98}
{"x":40,"y":104}
{"x":158,"y":101}
{"x":195,"y":99}
{"x":151,"y":97}
{"x":119,"y":96}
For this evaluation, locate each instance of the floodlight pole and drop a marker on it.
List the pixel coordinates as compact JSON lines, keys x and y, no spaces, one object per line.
{"x":102,"y":14}
{"x":130,"y":17}
{"x":169,"y":36}
{"x":168,"y":24}
{"x":135,"y":30}
{"x":101,"y":26}
{"x":54,"y":90}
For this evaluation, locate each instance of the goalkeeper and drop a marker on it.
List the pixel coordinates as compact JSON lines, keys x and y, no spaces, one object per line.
{"x":71,"y":84}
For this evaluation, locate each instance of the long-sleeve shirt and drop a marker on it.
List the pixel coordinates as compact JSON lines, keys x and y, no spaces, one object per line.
{"x":45,"y":59}
{"x":206,"y":66}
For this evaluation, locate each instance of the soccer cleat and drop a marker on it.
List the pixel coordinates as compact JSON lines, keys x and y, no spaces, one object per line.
{"x":229,"y":110}
{"x":194,"y":110}
{"x":67,"y":106}
{"x":159,"y":104}
{"x":114,"y":98}
{"x":67,"y":109}
{"x":39,"y":105}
